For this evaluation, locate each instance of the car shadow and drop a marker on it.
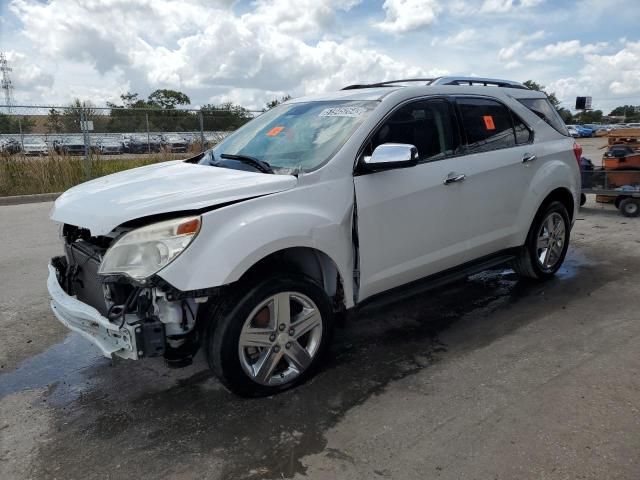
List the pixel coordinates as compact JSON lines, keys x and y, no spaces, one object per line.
{"x":140,"y":418}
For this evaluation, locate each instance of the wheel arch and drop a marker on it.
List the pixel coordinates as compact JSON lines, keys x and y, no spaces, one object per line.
{"x":308,"y":261}
{"x":562,"y":195}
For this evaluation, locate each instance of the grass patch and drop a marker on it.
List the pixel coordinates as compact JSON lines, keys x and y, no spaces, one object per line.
{"x":57,"y":173}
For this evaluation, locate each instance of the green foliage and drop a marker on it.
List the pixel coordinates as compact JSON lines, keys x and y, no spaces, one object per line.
{"x":589,"y":116}
{"x":275,"y":102}
{"x":168,"y":99}
{"x":54,"y":122}
{"x":57,"y":173}
{"x":631,"y":113}
{"x":224,"y":117}
{"x":14,"y":123}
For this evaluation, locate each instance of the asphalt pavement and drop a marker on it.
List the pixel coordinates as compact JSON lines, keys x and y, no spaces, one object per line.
{"x":488,"y":378}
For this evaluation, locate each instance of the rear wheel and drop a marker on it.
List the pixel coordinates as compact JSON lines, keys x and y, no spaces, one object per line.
{"x":546,"y":245}
{"x":630,"y":207}
{"x":272,"y":337}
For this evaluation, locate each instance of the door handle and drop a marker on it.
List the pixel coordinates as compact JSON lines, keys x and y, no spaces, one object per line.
{"x":454,"y":177}
{"x":528,"y":158}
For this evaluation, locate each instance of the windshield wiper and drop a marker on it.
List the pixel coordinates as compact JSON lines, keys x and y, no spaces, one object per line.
{"x":261,"y":165}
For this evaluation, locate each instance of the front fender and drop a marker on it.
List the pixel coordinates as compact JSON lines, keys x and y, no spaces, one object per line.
{"x":234,"y":238}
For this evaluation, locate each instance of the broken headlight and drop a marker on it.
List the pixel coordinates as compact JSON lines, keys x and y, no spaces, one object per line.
{"x":144,"y":251}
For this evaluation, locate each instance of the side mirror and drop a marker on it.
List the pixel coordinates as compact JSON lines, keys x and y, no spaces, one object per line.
{"x":391,"y":155}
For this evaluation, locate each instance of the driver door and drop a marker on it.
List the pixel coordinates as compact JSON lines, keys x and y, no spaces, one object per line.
{"x":412,"y":222}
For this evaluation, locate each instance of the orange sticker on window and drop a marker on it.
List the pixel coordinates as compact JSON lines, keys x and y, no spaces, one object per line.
{"x":274,"y":131}
{"x":488,"y":122}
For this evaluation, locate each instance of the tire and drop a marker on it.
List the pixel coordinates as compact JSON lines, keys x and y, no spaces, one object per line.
{"x":243,"y":335}
{"x":630,"y":207}
{"x":534,"y":261}
{"x":583,"y":199}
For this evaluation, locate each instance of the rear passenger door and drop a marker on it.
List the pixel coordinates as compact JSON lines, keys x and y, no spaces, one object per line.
{"x":500,"y":162}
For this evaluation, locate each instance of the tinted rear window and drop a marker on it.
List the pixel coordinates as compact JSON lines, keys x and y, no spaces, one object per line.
{"x":543,"y":108}
{"x":487,"y":124}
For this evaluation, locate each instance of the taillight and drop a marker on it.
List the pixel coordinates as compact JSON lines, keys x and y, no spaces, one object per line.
{"x":577,"y":151}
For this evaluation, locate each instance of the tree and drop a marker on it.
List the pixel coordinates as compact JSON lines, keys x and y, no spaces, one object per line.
{"x":589,"y":116}
{"x":54,"y":122}
{"x":16,"y":123}
{"x":565,"y":114}
{"x":631,"y":113}
{"x":73,"y":114}
{"x":168,"y":99}
{"x":275,"y":102}
{"x":223,"y":117}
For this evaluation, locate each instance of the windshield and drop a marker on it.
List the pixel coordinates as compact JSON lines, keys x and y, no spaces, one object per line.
{"x":296,"y":136}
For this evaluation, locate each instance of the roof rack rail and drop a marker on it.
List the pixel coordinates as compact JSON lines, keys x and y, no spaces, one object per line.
{"x":444,"y":81}
{"x":389,"y":83}
{"x":496,"y":82}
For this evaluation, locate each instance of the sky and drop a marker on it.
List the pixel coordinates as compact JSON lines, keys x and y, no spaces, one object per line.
{"x":249,"y":52}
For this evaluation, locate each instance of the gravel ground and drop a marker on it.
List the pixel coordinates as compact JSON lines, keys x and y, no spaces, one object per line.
{"x":486,"y":378}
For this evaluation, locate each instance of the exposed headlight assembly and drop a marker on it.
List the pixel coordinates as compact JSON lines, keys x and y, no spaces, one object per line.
{"x":144,"y":251}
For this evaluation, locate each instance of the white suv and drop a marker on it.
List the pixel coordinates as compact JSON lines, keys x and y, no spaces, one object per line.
{"x":315,"y":208}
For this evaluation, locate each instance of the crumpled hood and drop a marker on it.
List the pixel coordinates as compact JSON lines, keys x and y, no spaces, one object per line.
{"x":104,"y":203}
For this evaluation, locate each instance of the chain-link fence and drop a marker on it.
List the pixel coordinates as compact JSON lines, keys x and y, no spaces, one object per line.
{"x":100,"y":133}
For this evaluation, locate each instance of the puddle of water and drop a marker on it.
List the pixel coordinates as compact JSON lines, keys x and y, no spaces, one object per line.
{"x":185,"y":416}
{"x":69,"y":361}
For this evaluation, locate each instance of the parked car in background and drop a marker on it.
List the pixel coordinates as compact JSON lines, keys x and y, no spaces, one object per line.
{"x":35,"y":146}
{"x":584,"y":132}
{"x":143,"y":144}
{"x":10,"y":146}
{"x":319,"y":206}
{"x":73,"y":145}
{"x":172,"y":142}
{"x":109,"y":146}
{"x":573,"y":131}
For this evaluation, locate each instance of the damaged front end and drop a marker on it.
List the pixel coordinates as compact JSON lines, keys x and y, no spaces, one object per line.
{"x":124,"y":316}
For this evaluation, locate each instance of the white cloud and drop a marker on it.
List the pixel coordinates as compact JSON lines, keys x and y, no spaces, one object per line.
{"x":198,"y":47}
{"x":251,"y":52}
{"x":604,"y":77}
{"x":565,"y":49}
{"x":27,"y":74}
{"x":463,"y":37}
{"x":499,"y":6}
{"x":406,"y":15}
{"x":304,"y":17}
{"x":504,"y":6}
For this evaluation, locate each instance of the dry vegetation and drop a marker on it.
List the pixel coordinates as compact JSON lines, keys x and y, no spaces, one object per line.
{"x":57,"y":173}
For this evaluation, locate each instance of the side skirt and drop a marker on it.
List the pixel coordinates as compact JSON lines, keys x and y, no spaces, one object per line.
{"x":436,"y":280}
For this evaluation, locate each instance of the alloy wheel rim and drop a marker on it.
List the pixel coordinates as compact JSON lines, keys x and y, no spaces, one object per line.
{"x":551,"y":240}
{"x":280,"y":338}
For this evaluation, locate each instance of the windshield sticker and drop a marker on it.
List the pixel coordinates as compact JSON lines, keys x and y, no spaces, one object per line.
{"x":342,"y":112}
{"x":274,"y":131}
{"x":488,"y":122}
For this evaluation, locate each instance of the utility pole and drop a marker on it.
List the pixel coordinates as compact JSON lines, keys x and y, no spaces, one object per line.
{"x":5,"y":83}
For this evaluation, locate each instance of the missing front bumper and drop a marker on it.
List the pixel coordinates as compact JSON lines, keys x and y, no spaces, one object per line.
{"x":88,"y":322}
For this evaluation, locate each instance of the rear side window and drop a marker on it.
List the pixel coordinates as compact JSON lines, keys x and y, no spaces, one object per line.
{"x":543,"y":108}
{"x":487,"y":124}
{"x":523,"y":134}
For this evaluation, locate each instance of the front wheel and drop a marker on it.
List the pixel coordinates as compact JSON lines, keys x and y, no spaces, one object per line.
{"x":546,"y":245}
{"x":272,"y":336}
